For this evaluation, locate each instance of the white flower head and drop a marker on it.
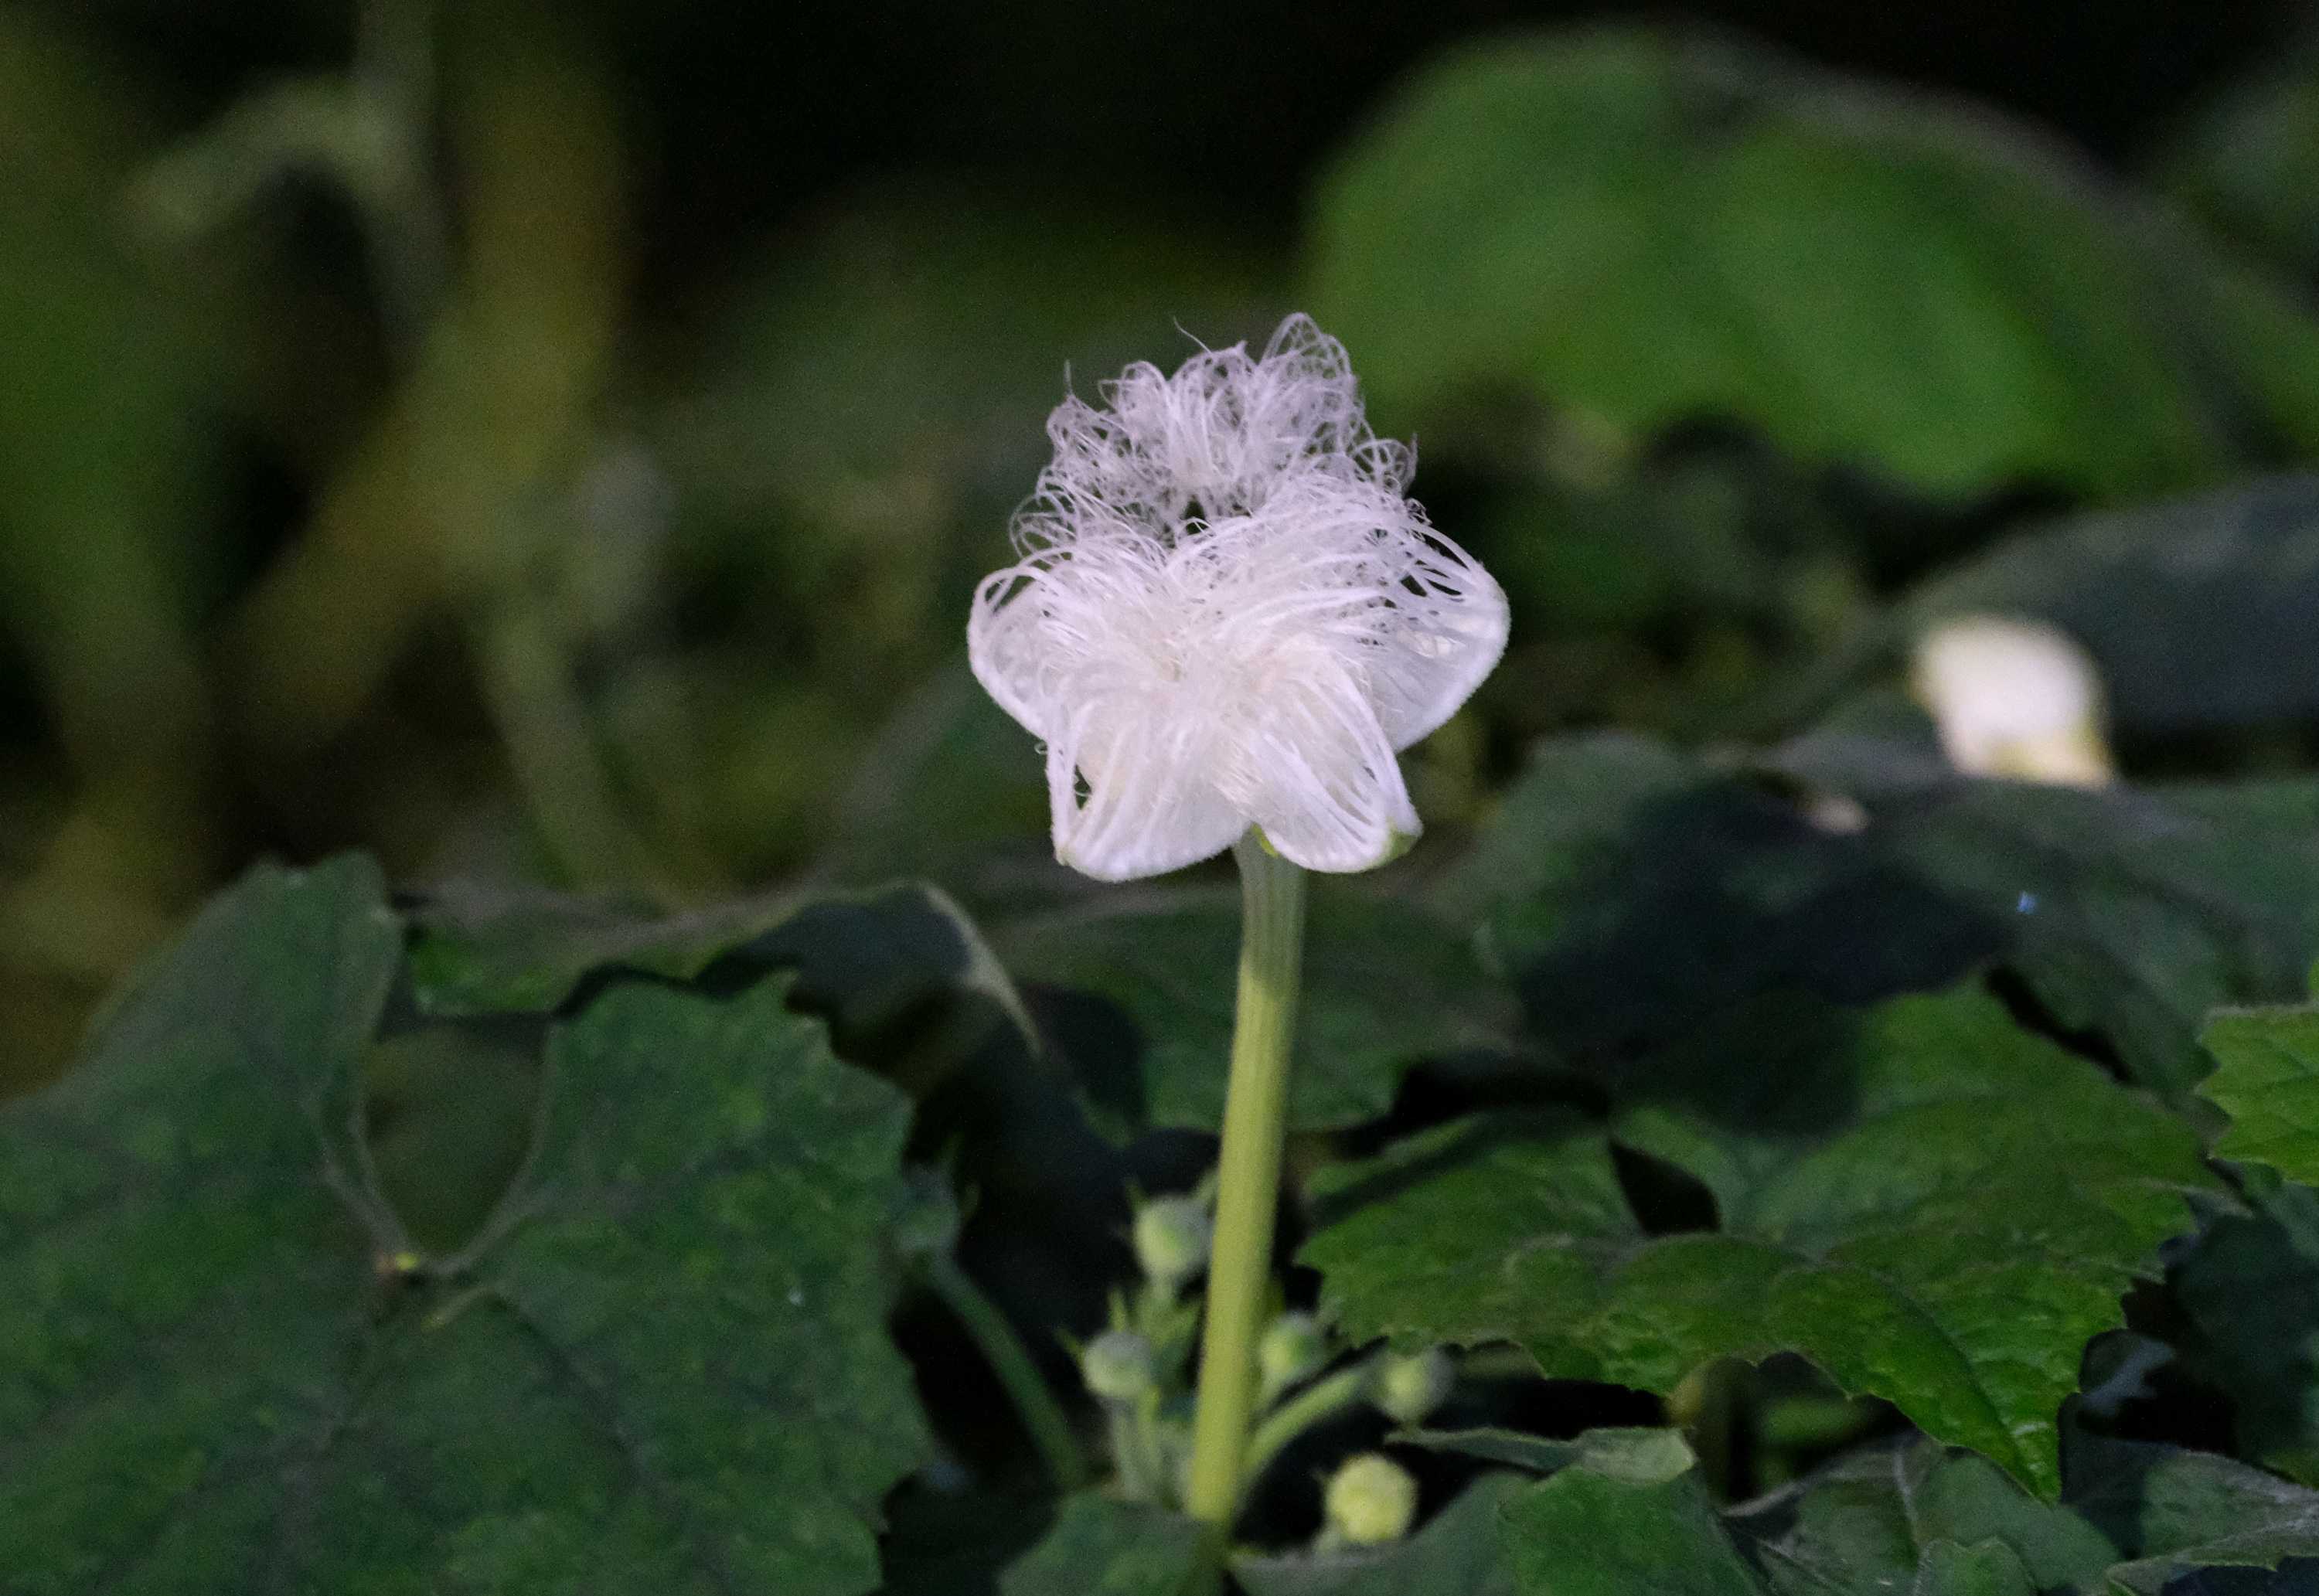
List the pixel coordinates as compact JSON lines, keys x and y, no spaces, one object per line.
{"x":2014,"y":697}
{"x":1227,"y":613}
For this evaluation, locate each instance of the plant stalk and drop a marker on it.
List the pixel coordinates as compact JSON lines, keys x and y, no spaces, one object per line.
{"x":1044,"y":1419}
{"x":1248,"y":1182}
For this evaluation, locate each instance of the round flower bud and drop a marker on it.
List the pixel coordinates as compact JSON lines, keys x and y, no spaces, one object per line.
{"x":1408,"y":1389}
{"x":1171,"y":1238}
{"x":1294,"y":1348}
{"x":1371,"y":1500}
{"x":1117,"y":1366}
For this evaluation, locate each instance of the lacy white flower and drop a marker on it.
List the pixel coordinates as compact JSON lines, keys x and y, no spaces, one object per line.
{"x":1227,"y":613}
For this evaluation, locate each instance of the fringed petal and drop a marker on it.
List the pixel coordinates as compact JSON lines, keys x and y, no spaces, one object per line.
{"x":1321,"y":778}
{"x":1132,"y":792}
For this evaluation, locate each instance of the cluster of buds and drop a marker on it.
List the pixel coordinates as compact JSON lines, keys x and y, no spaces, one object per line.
{"x":1138,"y":1369}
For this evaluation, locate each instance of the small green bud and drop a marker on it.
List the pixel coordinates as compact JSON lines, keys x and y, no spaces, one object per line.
{"x":1171,"y":1238}
{"x":1371,"y":1500}
{"x":1294,"y":1348}
{"x":1408,"y":1389}
{"x":1117,"y":1366}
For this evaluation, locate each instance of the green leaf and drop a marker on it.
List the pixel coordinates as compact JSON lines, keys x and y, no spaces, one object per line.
{"x":1103,"y":1548}
{"x":1579,"y":1533}
{"x":2267,"y":1080}
{"x":1630,"y":894}
{"x":1645,"y":1457}
{"x":2248,"y":160}
{"x":1384,"y":985}
{"x":483,"y":950}
{"x":1936,"y":1208}
{"x":2127,"y":915}
{"x":1644,"y":229}
{"x":1657,"y":893}
{"x":1458,"y":1551}
{"x":663,"y":1366}
{"x":2260,"y":1345}
{"x":1885,"y":1518}
{"x":2195,"y":608}
{"x":2172,"y":1511}
{"x":866,"y":961}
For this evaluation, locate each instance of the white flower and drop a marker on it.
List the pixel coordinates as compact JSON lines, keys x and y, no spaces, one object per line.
{"x":2015,"y":698}
{"x":1227,"y":614}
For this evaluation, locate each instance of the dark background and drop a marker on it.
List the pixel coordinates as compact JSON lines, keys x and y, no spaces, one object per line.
{"x":554,"y":444}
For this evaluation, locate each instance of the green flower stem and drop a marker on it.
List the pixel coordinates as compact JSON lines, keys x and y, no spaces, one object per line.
{"x":1042,"y":1416}
{"x":1248,"y":1187}
{"x":1300,"y":1413}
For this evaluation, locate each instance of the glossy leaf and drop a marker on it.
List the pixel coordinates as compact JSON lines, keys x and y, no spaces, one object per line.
{"x":1935,"y":1207}
{"x":2267,"y":1080}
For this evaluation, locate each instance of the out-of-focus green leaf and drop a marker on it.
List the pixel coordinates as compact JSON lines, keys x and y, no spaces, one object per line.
{"x":664,"y":1365}
{"x":953,"y":790}
{"x":2248,"y":162}
{"x":1644,"y":229}
{"x":1630,"y":894}
{"x":1933,"y":1205}
{"x":2172,"y":1511}
{"x":2267,"y":1080}
{"x":2195,"y":610}
{"x":2127,"y":916}
{"x":2250,"y":1287}
{"x":1457,"y":1552}
{"x":1103,"y":1548}
{"x":1385,"y":985}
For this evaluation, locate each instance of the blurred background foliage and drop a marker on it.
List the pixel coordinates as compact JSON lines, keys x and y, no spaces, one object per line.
{"x":555,"y":443}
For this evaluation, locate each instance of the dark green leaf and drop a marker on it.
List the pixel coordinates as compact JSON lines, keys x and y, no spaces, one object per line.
{"x":1866,"y":278}
{"x":1457,"y":1554}
{"x":2267,"y":1080}
{"x":1103,"y":1548}
{"x":2250,"y":1288}
{"x":1638,"y":895}
{"x":1935,"y":1207}
{"x":1631,"y":894}
{"x":2248,"y":160}
{"x":2172,"y":1511}
{"x":1885,"y":1518}
{"x":479,"y":951}
{"x":1579,"y":1533}
{"x":1645,"y":1457}
{"x":666,"y":1366}
{"x":1385,"y":985}
{"x":2196,"y":609}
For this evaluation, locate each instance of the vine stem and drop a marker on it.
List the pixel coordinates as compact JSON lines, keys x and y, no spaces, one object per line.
{"x":1248,"y":1176}
{"x":1043,"y":1417}
{"x":1299,"y":1413}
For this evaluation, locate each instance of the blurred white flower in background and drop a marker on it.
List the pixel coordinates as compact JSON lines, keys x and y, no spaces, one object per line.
{"x":2014,"y":697}
{"x":1227,"y":613}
